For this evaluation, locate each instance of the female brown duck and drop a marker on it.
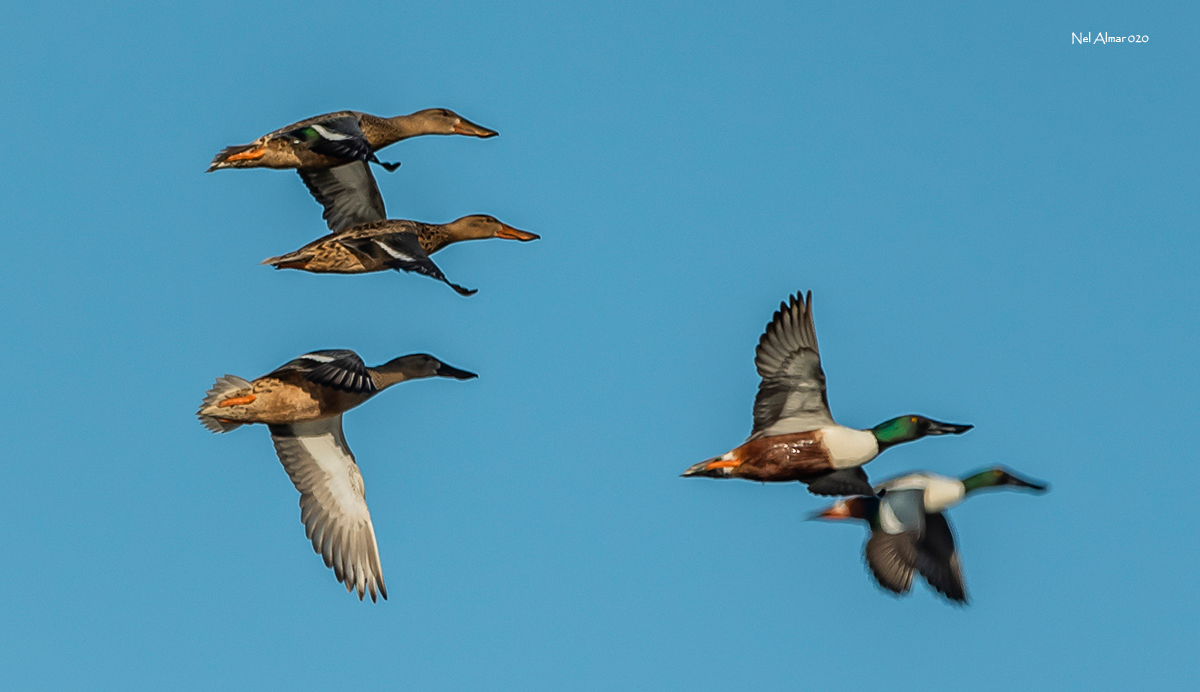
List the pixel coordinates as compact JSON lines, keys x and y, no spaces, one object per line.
{"x":302,"y":403}
{"x":394,"y":244}
{"x":333,"y":139}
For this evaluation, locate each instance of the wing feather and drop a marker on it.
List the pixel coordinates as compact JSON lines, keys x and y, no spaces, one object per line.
{"x":333,"y":503}
{"x":348,"y":193}
{"x":337,"y":368}
{"x":891,"y":558}
{"x":791,"y":397}
{"x":937,"y":559}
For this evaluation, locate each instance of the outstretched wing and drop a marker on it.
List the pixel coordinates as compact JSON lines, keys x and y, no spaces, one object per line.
{"x":791,"y":397}
{"x":348,"y":193}
{"x":891,"y":558}
{"x":937,"y":559}
{"x":333,"y":505}
{"x":892,"y":549}
{"x":337,"y":368}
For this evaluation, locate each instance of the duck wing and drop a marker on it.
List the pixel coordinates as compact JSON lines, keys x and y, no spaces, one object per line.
{"x":937,"y":558}
{"x":348,"y":193}
{"x":337,"y":368}
{"x":891,"y":551}
{"x":401,"y":251}
{"x":336,"y":135}
{"x":890,"y":558}
{"x":333,"y":504}
{"x":791,"y":397}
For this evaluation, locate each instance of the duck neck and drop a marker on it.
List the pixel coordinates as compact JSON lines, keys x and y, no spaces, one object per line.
{"x":387,"y":375}
{"x":398,"y":127}
{"x":979,"y":481}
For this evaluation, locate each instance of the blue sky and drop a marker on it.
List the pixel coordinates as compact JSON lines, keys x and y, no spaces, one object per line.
{"x":998,"y":227}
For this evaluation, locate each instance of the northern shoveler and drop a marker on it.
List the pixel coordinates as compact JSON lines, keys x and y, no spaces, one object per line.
{"x":393,"y":244}
{"x":794,"y":436}
{"x":909,"y":530}
{"x":333,"y":139}
{"x":302,"y":403}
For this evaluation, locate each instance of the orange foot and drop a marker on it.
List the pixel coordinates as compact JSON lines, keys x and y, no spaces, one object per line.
{"x":249,"y":154}
{"x":237,"y":401}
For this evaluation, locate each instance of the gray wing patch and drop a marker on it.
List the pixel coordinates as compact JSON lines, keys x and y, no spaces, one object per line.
{"x":791,"y":397}
{"x":333,"y":504}
{"x":348,"y":193}
{"x":902,"y":511}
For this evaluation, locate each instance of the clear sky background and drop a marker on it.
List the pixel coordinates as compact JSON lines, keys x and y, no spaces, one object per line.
{"x":999,"y":227}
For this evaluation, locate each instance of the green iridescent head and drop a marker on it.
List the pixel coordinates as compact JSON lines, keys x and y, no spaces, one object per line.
{"x":909,"y":428}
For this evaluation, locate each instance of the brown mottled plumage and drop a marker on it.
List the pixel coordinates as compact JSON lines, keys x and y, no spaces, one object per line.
{"x":287,"y":147}
{"x":392,"y":244}
{"x":302,"y":403}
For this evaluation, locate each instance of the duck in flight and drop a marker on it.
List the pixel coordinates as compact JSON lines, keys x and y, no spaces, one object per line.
{"x":333,"y":139}
{"x":794,"y":436}
{"x":909,"y":530}
{"x":394,"y":244}
{"x":302,"y":403}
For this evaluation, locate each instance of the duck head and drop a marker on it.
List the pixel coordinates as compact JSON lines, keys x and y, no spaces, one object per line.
{"x":415,"y":367}
{"x":913,"y":427}
{"x":998,"y":477}
{"x":479,"y":226}
{"x":442,"y":121}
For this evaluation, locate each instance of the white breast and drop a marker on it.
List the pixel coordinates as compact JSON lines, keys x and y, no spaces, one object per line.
{"x":848,"y":447}
{"x":942,"y":493}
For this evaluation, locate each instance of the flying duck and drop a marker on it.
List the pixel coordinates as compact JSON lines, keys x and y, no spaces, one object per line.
{"x":794,"y":436}
{"x":302,"y":403}
{"x":909,"y":530}
{"x":333,"y":139}
{"x":394,"y":244}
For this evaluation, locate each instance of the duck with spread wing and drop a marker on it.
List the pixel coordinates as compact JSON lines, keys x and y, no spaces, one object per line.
{"x":302,"y":403}
{"x":795,"y":437}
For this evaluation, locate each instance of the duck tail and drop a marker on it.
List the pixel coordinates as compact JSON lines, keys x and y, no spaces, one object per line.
{"x":221,"y":390}
{"x":717,"y":467}
{"x":292,"y":260}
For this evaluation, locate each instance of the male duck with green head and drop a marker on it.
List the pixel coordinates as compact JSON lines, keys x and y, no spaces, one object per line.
{"x":794,"y":436}
{"x":909,"y":529}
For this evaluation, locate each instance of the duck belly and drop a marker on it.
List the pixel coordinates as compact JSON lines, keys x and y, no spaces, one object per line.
{"x":847,"y":447}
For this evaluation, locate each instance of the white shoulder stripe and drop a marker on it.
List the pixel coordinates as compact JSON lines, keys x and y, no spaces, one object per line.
{"x":328,"y":134}
{"x":394,"y":253}
{"x":317,"y":357}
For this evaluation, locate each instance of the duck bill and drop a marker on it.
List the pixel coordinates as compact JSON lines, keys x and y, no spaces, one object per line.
{"x":450,"y":371}
{"x":510,"y":233}
{"x":1035,"y":486}
{"x":936,"y":428}
{"x":466,"y":127}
